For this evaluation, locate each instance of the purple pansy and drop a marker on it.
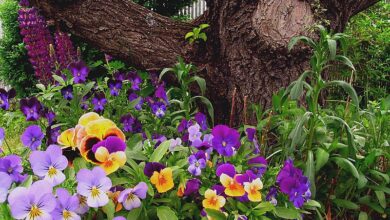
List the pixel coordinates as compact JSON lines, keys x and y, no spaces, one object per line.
{"x":258,"y":165}
{"x":31,"y":108}
{"x":112,"y":144}
{"x":2,"y":138}
{"x":132,"y":97}
{"x":159,"y":109}
{"x":135,"y":80}
{"x":79,"y":71}
{"x":5,"y":97}
{"x":35,"y":202}
{"x":131,"y":124}
{"x":150,"y":167}
{"x":174,"y":143}
{"x":94,"y":185}
{"x":182,"y":126}
{"x":192,"y":187}
{"x":115,"y":87}
{"x":194,"y":135}
{"x":227,"y":169}
{"x":201,"y":119}
{"x":66,"y":206}
{"x":271,"y":196}
{"x":99,"y":101}
{"x":12,"y":165}
{"x":225,"y":140}
{"x":32,"y":137}
{"x":131,"y":198}
{"x":161,"y":94}
{"x":197,"y":163}
{"x":49,"y":164}
{"x":246,"y":177}
{"x":119,"y":76}
{"x":82,"y":205}
{"x":67,"y":92}
{"x":50,"y":116}
{"x":5,"y":184}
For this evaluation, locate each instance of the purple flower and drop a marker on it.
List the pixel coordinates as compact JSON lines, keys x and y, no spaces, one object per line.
{"x":135,"y":80}
{"x":52,"y":135}
{"x":65,"y":50}
{"x":119,"y":218}
{"x":67,"y":92}
{"x":115,"y":87}
{"x":99,"y":101}
{"x":66,"y":206}
{"x":5,"y":184}
{"x":192,"y":187}
{"x":242,"y":217}
{"x":197,"y":163}
{"x":94,"y":185}
{"x":5,"y":97}
{"x":131,"y":198}
{"x":195,"y":135}
{"x":227,"y":169}
{"x":271,"y":196}
{"x":31,"y":108}
{"x":79,"y":71}
{"x":49,"y":164}
{"x":246,"y":177}
{"x":159,"y":109}
{"x":131,"y":124}
{"x":82,"y":206}
{"x":119,"y":76}
{"x":225,"y":140}
{"x":32,"y":137}
{"x":2,"y":137}
{"x":161,"y":94}
{"x":182,"y":126}
{"x":258,"y":165}
{"x":35,"y":202}
{"x":150,"y":167}
{"x":132,"y":97}
{"x":201,"y":119}
{"x":50,"y":116}
{"x":112,"y":144}
{"x":250,"y":133}
{"x":174,"y":143}
{"x":12,"y":165}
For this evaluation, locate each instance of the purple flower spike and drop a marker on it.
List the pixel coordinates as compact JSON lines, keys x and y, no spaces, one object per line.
{"x":67,"y":92}
{"x":225,"y":140}
{"x":12,"y":165}
{"x":94,"y":185}
{"x":151,"y":167}
{"x":192,"y":187}
{"x":35,"y":202}
{"x":201,"y":119}
{"x":99,"y":101}
{"x":31,"y":108}
{"x":197,"y":163}
{"x":66,"y":206}
{"x":115,"y":87}
{"x":131,"y":198}
{"x":159,"y":109}
{"x":119,"y":218}
{"x":227,"y":169}
{"x":49,"y":164}
{"x":65,"y":50}
{"x":5,"y":184}
{"x":5,"y":98}
{"x":32,"y":137}
{"x":79,"y":71}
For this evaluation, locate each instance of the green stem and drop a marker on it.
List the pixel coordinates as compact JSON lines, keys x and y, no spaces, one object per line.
{"x":9,"y":148}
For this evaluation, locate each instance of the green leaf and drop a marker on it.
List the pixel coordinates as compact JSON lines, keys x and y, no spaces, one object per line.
{"x":202,"y":84}
{"x":263,"y":208}
{"x":345,"y":60}
{"x":347,"y":88}
{"x":350,"y":136}
{"x":203,"y":36}
{"x":346,"y":165}
{"x":41,"y":87}
{"x":163,"y":72}
{"x":310,"y":172}
{"x":313,"y":203}
{"x":133,"y":103}
{"x":296,"y":134}
{"x":109,"y":209}
{"x":297,"y":89}
{"x":380,"y":195}
{"x":381,"y":188}
{"x":363,"y":216}
{"x":59,"y":79}
{"x":160,"y":151}
{"x":215,"y":214}
{"x":346,"y":204}
{"x":322,"y":158}
{"x":286,"y":213}
{"x":5,"y":212}
{"x":78,"y":164}
{"x":209,"y":106}
{"x":27,"y":183}
{"x":134,"y":214}
{"x":332,"y":45}
{"x":304,"y":39}
{"x":362,"y":181}
{"x":204,"y":26}
{"x":166,"y":213}
{"x":189,"y":34}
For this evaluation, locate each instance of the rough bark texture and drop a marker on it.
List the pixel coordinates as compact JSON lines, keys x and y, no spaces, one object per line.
{"x":246,"y":50}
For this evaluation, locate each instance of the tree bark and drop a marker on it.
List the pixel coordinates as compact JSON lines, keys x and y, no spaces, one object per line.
{"x":246,"y":48}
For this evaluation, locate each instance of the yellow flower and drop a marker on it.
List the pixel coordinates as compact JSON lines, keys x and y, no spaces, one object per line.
{"x":232,"y":187}
{"x":162,"y":180}
{"x":212,"y":200}
{"x":180,"y":191}
{"x":88,"y":117}
{"x":99,"y":127}
{"x":67,"y":138}
{"x":110,"y":162}
{"x":253,"y":190}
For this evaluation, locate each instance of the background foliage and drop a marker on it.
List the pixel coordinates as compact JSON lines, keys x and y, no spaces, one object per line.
{"x":165,"y":7}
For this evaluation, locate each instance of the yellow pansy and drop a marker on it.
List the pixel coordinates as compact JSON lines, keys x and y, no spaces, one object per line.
{"x":232,"y":187}
{"x":110,"y":162}
{"x":162,"y":180}
{"x":253,"y":190}
{"x":212,"y":200}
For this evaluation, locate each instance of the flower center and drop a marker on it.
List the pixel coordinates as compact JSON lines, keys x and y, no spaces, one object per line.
{"x":31,"y":111}
{"x":130,"y":197}
{"x":82,"y":200}
{"x":224,"y":143}
{"x":78,"y":74}
{"x":66,"y":214}
{"x":197,"y":164}
{"x":161,"y":180}
{"x":253,"y":190}
{"x":35,"y":212}
{"x":95,"y":192}
{"x":10,"y":170}
{"x":213,"y":201}
{"x":52,"y":171}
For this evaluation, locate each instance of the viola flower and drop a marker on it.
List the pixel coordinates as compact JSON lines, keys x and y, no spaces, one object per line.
{"x":82,"y":207}
{"x":158,"y":109}
{"x":201,"y":119}
{"x":31,"y":108}
{"x":162,"y":180}
{"x":197,"y":163}
{"x":132,"y":97}
{"x":12,"y":165}
{"x":5,"y":97}
{"x":151,"y":167}
{"x":180,"y":190}
{"x":182,"y":126}
{"x":232,"y":187}
{"x":68,"y":138}
{"x":119,"y":218}
{"x":110,"y":153}
{"x":49,"y":164}
{"x":225,"y":140}
{"x":119,"y":76}
{"x":161,"y":94}
{"x":174,"y":143}
{"x":258,"y":165}
{"x":253,"y":189}
{"x":115,"y":87}
{"x":135,"y":80}
{"x":67,"y":92}
{"x":99,"y":101}
{"x":32,"y":137}
{"x":131,"y":198}
{"x":271,"y":196}
{"x":227,"y":169}
{"x":79,"y":71}
{"x":2,"y":137}
{"x":212,"y":200}
{"x":66,"y":206}
{"x":195,"y":135}
{"x":5,"y":184}
{"x":94,"y":185}
{"x":251,"y":134}
{"x":50,"y":116}
{"x":192,"y":187}
{"x":131,"y":124}
{"x":35,"y":202}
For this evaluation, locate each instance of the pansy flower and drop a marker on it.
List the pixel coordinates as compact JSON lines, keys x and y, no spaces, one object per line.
{"x":66,"y":206}
{"x":197,"y":163}
{"x":99,"y":101}
{"x":35,"y":202}
{"x":201,"y":119}
{"x":194,"y":135}
{"x":258,"y":165}
{"x":67,"y":92}
{"x":12,"y":165}
{"x":161,"y":94}
{"x":212,"y":200}
{"x":228,"y":178}
{"x":79,"y":71}
{"x":2,"y":138}
{"x":82,"y":207}
{"x":5,"y":98}
{"x":225,"y":140}
{"x":31,"y":108}
{"x":162,"y":180}
{"x":49,"y":164}
{"x":115,"y":87}
{"x":253,"y":189}
{"x":192,"y":187}
{"x":135,"y":80}
{"x":132,"y":96}
{"x":110,"y":153}
{"x":271,"y":196}
{"x":131,"y":198}
{"x":94,"y":185}
{"x":130,"y":124}
{"x":151,"y":167}
{"x":5,"y":184}
{"x":32,"y":137}
{"x":159,"y":109}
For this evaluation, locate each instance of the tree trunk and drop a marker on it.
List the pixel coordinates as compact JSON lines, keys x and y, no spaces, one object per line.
{"x":246,"y":49}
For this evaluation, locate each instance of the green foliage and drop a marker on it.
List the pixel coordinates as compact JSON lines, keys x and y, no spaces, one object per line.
{"x":15,"y":69}
{"x":197,"y":34}
{"x":165,"y":7}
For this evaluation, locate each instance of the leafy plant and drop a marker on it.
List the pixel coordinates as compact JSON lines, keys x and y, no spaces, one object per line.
{"x":197,"y":34}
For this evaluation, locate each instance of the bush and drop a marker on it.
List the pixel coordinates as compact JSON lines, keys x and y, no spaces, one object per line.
{"x":165,"y":7}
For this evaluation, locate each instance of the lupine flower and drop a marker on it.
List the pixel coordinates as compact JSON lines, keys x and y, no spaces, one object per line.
{"x":162,"y":180}
{"x":197,"y":163}
{"x":132,"y":97}
{"x":195,"y":135}
{"x":225,"y":140}
{"x":201,"y":119}
{"x":94,"y":185}
{"x":161,"y":94}
{"x":115,"y":87}
{"x":12,"y":165}
{"x":271,"y":196}
{"x":135,"y":80}
{"x":5,"y":184}
{"x":99,"y":101}
{"x":192,"y":187}
{"x":110,"y":153}
{"x":131,"y":198}
{"x":5,"y":97}
{"x":151,"y":167}
{"x":32,"y":137}
{"x":67,"y":92}
{"x":258,"y":165}
{"x":79,"y":71}
{"x":66,"y":206}
{"x":49,"y":164}
{"x":174,"y":143}
{"x":212,"y":200}
{"x":158,"y":109}
{"x":253,"y":189}
{"x":65,"y":50}
{"x":31,"y":108}
{"x":131,"y":124}
{"x":35,"y":202}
